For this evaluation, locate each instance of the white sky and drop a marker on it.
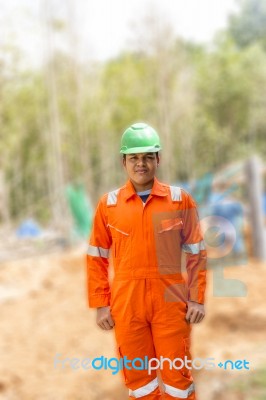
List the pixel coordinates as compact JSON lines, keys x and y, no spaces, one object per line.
{"x":104,"y":27}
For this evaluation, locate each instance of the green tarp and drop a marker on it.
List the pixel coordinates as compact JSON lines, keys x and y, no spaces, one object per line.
{"x":81,"y":209}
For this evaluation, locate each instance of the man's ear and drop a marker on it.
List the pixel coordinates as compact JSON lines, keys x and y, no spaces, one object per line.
{"x":124,"y":160}
{"x":158,"y":158}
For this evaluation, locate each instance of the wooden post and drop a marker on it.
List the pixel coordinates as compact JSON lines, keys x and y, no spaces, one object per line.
{"x":255,"y":191}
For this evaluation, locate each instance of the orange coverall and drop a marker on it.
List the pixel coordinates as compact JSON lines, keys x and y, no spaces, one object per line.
{"x":148,"y":296}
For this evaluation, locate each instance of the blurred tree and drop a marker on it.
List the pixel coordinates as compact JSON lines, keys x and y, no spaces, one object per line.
{"x":24,"y":147}
{"x":227,"y":81}
{"x":55,"y":164}
{"x":63,"y":123}
{"x":249,"y":24}
{"x":154,"y":82}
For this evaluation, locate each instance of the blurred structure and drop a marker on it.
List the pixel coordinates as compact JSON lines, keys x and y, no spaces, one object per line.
{"x":231,"y":210}
{"x":255,"y":191}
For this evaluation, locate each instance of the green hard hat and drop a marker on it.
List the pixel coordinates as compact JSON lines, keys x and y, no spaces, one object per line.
{"x":140,"y":138}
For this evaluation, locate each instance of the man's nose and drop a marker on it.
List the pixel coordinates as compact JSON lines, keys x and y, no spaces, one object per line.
{"x":141,"y":161}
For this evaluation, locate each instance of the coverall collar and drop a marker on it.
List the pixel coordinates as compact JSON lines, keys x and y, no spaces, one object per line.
{"x":158,"y":189}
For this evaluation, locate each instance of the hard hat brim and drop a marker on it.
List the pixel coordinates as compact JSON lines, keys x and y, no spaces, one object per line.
{"x":146,"y":149}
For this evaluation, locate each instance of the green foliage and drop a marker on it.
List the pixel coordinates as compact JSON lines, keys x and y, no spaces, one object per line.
{"x":23,"y":155}
{"x":253,"y":387}
{"x":207,"y":104}
{"x":249,"y":25}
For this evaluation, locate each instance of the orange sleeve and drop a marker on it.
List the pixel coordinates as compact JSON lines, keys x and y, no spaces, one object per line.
{"x":194,"y":247}
{"x":98,"y":259}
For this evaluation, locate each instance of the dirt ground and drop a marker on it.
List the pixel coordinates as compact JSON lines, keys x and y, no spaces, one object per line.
{"x":44,"y":315}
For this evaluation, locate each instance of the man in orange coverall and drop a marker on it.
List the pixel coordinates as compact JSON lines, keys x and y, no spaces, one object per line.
{"x":147,"y":224}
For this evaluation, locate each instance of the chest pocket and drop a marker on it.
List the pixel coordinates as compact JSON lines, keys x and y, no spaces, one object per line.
{"x":172,"y":224}
{"x":121,"y":241}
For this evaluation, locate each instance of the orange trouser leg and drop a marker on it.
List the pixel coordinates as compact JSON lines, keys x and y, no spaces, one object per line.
{"x":148,"y":324}
{"x":171,"y":338}
{"x":134,"y":338}
{"x":132,"y":345}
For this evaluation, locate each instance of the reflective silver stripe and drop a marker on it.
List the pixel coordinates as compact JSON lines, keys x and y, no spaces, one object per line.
{"x":193,"y":248}
{"x":97,"y":251}
{"x":182,"y":394}
{"x":175,"y":193}
{"x":112,"y":198}
{"x":144,"y":390}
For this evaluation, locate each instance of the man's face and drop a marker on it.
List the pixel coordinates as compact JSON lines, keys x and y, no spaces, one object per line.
{"x":141,"y":168}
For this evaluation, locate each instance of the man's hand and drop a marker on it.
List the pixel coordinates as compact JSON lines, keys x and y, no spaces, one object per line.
{"x":104,"y":319}
{"x":195,"y":312}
